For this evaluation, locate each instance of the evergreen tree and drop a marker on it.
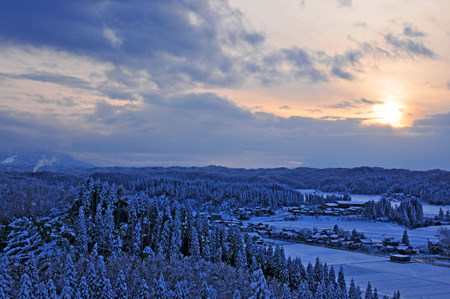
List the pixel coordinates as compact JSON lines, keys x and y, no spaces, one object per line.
{"x":70,"y":285}
{"x":25,"y":288}
{"x":121,"y":286}
{"x":82,"y":233}
{"x":375,"y":294}
{"x":92,"y":280}
{"x":41,"y":293}
{"x":83,"y":289}
{"x":286,"y":292}
{"x":259,"y":286}
{"x":194,"y":246}
{"x":144,"y":291}
{"x":237,"y":295}
{"x":161,"y":291}
{"x":5,"y":277}
{"x":181,"y":290}
{"x":341,"y":282}
{"x":369,"y":294}
{"x":405,"y":238}
{"x":51,"y":289}
{"x":353,"y":291}
{"x":304,"y":292}
{"x":107,"y":291}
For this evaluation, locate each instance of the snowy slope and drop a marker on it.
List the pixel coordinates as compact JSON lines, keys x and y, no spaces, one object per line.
{"x":38,"y":160}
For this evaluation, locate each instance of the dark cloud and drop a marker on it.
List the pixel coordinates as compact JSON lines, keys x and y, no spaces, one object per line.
{"x":412,"y":47}
{"x":284,"y":107}
{"x":448,"y":85}
{"x":410,"y":31}
{"x":201,"y":129}
{"x":355,"y":103}
{"x":47,"y":77}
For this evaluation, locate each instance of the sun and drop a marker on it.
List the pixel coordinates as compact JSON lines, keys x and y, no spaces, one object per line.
{"x":390,"y":113}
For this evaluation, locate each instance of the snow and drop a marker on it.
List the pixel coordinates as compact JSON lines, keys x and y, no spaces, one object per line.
{"x":433,"y":210}
{"x":358,"y":198}
{"x":414,"y":280}
{"x":9,"y":160}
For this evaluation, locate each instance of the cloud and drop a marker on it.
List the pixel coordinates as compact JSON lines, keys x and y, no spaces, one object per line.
{"x":410,"y":31}
{"x":412,"y":47}
{"x":448,"y":85}
{"x":47,"y":77}
{"x":204,"y":128}
{"x":157,"y":36}
{"x":284,"y":107}
{"x":361,"y":24}
{"x":355,"y":103}
{"x":344,"y":3}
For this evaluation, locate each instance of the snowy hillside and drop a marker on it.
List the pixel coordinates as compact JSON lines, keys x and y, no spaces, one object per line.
{"x":38,"y":160}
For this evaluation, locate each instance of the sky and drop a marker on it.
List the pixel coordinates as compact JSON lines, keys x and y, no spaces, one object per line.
{"x":255,"y":83}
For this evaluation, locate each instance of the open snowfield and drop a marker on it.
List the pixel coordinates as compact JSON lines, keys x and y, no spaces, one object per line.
{"x":414,"y":280}
{"x":376,"y":231}
{"x":355,"y":197}
{"x":432,"y":210}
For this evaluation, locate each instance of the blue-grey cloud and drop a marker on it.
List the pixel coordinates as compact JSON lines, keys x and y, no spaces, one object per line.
{"x":412,"y":47}
{"x":175,"y":41}
{"x":47,"y":77}
{"x":411,"y":31}
{"x":448,"y":85}
{"x":207,"y":129}
{"x":356,"y":103}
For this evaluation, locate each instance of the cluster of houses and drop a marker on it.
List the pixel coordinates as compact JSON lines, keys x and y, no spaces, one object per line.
{"x":246,"y":213}
{"x":336,"y":208}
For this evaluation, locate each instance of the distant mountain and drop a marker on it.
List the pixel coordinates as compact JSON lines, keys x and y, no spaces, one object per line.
{"x":38,"y":160}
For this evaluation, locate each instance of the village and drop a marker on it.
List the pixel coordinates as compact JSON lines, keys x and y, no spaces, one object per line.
{"x":338,"y":238}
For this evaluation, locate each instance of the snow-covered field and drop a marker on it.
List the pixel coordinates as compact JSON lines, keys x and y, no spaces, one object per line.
{"x":355,"y":197}
{"x":376,"y":231}
{"x":432,"y":210}
{"x":414,"y":280}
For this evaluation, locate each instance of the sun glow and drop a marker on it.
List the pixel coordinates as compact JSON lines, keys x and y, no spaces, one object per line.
{"x":390,"y":113}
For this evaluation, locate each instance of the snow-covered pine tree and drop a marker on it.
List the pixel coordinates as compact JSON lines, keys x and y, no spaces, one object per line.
{"x":107,"y":292}
{"x":304,"y":292}
{"x":5,"y":277}
{"x":286,"y":292}
{"x":121,"y":287}
{"x":161,"y":291}
{"x":70,"y":279}
{"x":25,"y":288}
{"x":83,"y":289}
{"x":405,"y":238}
{"x":237,"y":295}
{"x":341,"y":282}
{"x":143,"y":291}
{"x":82,"y":233}
{"x":51,"y":289}
{"x":259,"y":286}
{"x":204,"y":290}
{"x":42,"y":291}
{"x":194,"y":246}
{"x":181,"y":290}
{"x":375,"y":294}
{"x":368,"y":294}
{"x":353,"y":291}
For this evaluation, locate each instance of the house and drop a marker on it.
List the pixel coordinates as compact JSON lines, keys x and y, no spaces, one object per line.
{"x":401,"y":258}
